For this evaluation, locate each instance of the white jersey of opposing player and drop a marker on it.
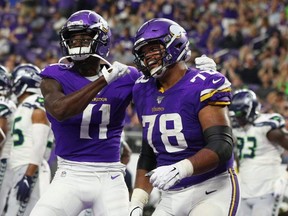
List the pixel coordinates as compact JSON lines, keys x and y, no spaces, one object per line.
{"x":260,"y":160}
{"x":22,"y":132}
{"x":8,"y":108}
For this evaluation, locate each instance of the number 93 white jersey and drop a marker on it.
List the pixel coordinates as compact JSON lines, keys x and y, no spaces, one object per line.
{"x":259,"y":159}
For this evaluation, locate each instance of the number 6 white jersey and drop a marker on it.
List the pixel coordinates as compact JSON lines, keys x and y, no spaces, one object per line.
{"x":22,"y":132}
{"x":259,"y":159}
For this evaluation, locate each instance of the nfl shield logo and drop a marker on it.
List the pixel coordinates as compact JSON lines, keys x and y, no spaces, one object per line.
{"x":159,"y":99}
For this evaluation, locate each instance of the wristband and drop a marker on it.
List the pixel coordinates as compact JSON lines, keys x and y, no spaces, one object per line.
{"x":185,"y":168}
{"x":139,"y":196}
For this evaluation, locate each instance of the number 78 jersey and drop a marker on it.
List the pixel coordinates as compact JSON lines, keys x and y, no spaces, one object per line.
{"x":170,"y":119}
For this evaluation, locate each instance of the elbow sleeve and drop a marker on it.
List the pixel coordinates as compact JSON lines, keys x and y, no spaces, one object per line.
{"x":220,"y":140}
{"x":147,"y":158}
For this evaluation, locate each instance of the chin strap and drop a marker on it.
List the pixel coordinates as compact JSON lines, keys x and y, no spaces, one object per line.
{"x":67,"y":60}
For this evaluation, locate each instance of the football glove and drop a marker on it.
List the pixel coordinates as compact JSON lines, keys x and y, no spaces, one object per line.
{"x":165,"y":177}
{"x":136,"y":209}
{"x":115,"y":71}
{"x":205,"y":63}
{"x":280,"y":185}
{"x":24,"y":188}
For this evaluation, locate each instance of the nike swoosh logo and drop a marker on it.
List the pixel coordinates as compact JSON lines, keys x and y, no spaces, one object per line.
{"x":114,"y":177}
{"x":209,"y":192}
{"x":216,"y":81}
{"x":26,"y":183}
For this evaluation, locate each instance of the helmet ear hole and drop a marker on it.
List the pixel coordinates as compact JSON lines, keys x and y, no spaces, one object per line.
{"x":178,"y":46}
{"x":169,"y":57}
{"x":66,"y":34}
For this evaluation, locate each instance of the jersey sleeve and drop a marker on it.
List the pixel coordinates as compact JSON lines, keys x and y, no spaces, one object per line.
{"x":275,"y":121}
{"x":216,"y":90}
{"x":35,"y":102}
{"x":212,"y":88}
{"x":55,"y":71}
{"x":39,"y":103}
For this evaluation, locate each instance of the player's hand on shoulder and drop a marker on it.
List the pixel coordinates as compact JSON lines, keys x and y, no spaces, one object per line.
{"x":205,"y":63}
{"x":115,"y":71}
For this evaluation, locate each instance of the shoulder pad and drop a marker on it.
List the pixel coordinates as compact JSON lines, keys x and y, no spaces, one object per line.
{"x":275,"y":120}
{"x":214,"y":87}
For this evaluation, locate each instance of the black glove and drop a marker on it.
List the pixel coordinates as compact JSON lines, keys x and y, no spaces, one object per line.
{"x":24,"y":188}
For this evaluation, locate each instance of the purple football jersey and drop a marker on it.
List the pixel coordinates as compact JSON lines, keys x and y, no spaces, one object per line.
{"x":93,"y":135}
{"x":170,"y":119}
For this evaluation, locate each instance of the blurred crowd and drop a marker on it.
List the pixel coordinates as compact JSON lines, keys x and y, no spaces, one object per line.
{"x":247,"y":39}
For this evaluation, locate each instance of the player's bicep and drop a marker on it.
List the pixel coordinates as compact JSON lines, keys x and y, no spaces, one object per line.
{"x":279,"y":137}
{"x":39,"y":116}
{"x":52,"y":93}
{"x":210,"y":116}
{"x":51,"y":90}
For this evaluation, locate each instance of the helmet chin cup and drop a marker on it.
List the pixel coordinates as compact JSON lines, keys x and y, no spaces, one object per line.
{"x":158,"y":71}
{"x":79,"y":57}
{"x":155,"y":72}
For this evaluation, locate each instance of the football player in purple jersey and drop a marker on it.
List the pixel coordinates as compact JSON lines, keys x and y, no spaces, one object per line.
{"x":87,"y":118}
{"x":187,"y":149}
{"x":86,"y":108}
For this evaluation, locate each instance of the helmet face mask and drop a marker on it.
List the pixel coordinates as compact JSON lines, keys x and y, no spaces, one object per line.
{"x":80,"y":45}
{"x":166,"y":32}
{"x":26,"y":78}
{"x":87,"y":23}
{"x":244,"y":107}
{"x":5,"y":82}
{"x":151,"y":58}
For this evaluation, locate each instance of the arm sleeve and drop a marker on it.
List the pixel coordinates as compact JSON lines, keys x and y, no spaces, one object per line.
{"x":40,"y":133}
{"x":147,"y":158}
